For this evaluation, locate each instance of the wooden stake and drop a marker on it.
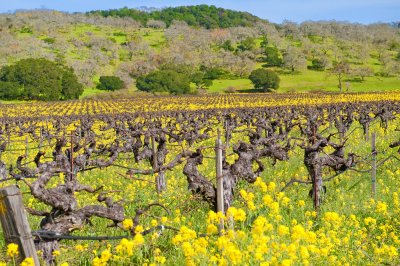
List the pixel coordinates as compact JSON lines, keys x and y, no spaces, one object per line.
{"x":220,"y":179}
{"x":373,"y":170}
{"x":15,"y":224}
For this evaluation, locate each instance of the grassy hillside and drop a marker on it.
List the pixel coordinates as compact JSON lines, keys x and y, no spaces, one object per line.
{"x":94,"y":46}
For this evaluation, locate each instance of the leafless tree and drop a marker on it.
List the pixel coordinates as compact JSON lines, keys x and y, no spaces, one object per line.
{"x":294,"y":59}
{"x":340,"y":70}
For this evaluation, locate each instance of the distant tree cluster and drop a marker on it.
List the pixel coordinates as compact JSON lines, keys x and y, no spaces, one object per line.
{"x":209,"y":17}
{"x":38,"y":79}
{"x":164,"y":81}
{"x":177,"y":79}
{"x":110,"y":83}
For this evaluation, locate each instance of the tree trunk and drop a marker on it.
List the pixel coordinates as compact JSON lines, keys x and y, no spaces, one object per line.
{"x":317,"y":187}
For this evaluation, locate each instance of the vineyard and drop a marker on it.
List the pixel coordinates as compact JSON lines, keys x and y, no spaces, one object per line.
{"x":305,"y":179}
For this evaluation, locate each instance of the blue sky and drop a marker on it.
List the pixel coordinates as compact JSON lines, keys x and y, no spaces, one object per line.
{"x":362,"y":11}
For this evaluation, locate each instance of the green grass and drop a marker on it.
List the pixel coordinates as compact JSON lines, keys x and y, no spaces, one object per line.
{"x":321,"y":81}
{"x":90,"y":92}
{"x":155,"y":38}
{"x":305,"y":81}
{"x":376,"y":84}
{"x":12,"y":102}
{"x":222,"y":84}
{"x":309,"y":80}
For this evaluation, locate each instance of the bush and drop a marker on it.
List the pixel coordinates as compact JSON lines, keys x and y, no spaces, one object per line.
{"x":214,"y":72}
{"x":320,"y":64}
{"x":110,"y":83}
{"x":264,"y":79}
{"x":272,"y":57}
{"x":317,"y":64}
{"x":164,"y":81}
{"x":10,"y":90}
{"x":40,"y":79}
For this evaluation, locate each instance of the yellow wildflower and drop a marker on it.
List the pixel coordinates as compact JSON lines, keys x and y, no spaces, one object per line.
{"x":12,"y":250}
{"x":301,"y":203}
{"x":283,"y":230}
{"x":153,"y":223}
{"x":127,"y":224}
{"x":28,"y":262}
{"x":139,"y":229}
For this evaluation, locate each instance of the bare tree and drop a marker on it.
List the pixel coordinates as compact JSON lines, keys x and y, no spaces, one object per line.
{"x":294,"y":59}
{"x":362,"y":72}
{"x":340,"y":70}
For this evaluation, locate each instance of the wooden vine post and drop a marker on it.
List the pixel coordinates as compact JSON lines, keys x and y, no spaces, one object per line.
{"x":15,"y":224}
{"x":367,"y":132}
{"x":373,"y":169}
{"x":220,"y":179}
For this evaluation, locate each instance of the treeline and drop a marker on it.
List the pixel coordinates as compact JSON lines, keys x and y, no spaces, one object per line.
{"x":209,"y":17}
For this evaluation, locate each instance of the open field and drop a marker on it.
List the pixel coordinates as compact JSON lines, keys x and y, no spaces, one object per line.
{"x":323,"y":82}
{"x":312,"y":81}
{"x":272,"y":220}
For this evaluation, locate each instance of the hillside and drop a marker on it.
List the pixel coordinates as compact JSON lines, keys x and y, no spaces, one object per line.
{"x":304,"y":55}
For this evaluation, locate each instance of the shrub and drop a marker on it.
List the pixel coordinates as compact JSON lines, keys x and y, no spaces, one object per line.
{"x":110,"y":83}
{"x":10,"y":90}
{"x":264,"y":79}
{"x":164,"y":81}
{"x":318,"y":64}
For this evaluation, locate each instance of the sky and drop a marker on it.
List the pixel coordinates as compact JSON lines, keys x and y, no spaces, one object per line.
{"x":361,"y":11}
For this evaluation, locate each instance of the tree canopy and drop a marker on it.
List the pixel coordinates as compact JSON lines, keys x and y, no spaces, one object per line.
{"x":110,"y":83}
{"x":168,"y":81}
{"x":272,"y":57}
{"x":209,"y":17}
{"x":265,"y":79}
{"x":201,"y":80}
{"x":39,"y":79}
